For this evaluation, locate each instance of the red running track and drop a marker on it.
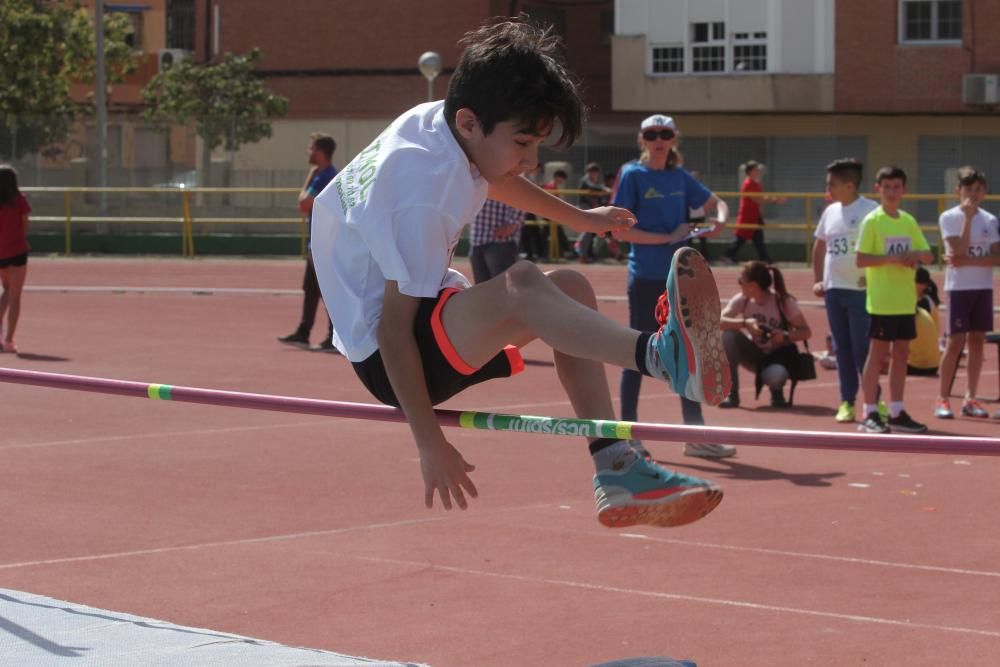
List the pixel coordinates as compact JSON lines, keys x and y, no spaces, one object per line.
{"x":311,"y":531}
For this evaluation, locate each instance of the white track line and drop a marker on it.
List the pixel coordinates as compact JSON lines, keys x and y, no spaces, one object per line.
{"x":255,"y":540}
{"x":687,"y":598}
{"x":158,"y":434}
{"x":775,"y":552}
{"x":129,"y":289}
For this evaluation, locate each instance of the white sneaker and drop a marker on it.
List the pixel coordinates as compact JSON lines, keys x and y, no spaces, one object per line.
{"x":709,"y":451}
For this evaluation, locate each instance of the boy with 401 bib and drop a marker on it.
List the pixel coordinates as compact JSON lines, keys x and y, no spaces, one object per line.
{"x":384,"y":232}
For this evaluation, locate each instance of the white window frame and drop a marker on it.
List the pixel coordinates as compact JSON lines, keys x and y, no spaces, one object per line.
{"x":713,"y":42}
{"x":753,"y":38}
{"x":665,"y":45}
{"x":935,"y":24}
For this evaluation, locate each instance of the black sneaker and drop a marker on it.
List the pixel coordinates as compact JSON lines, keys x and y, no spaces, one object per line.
{"x":326,"y":345}
{"x":778,"y":399}
{"x":297,"y":338}
{"x":905,"y":424}
{"x":873,"y":424}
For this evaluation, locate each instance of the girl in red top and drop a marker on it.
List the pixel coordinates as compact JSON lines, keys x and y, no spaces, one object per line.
{"x":750,"y":214}
{"x":14,"y":248}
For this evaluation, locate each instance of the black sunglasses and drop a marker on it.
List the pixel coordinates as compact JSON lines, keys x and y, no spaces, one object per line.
{"x":651,"y":135}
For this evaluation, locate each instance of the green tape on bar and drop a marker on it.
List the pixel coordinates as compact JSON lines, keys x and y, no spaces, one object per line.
{"x":159,"y":392}
{"x":588,"y":428}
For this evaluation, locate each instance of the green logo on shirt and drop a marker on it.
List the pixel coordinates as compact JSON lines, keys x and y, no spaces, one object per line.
{"x":358,"y":176}
{"x":651,"y":193}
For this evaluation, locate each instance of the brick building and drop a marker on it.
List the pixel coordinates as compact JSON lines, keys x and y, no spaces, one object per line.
{"x":349,"y":68}
{"x":796,"y":83}
{"x":793,"y":83}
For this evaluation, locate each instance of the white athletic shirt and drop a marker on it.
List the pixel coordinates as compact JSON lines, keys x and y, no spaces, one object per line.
{"x":395,"y":212}
{"x":839,"y":226}
{"x":984,"y":233}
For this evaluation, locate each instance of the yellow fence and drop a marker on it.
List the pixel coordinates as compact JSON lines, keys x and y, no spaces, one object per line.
{"x":186,"y":219}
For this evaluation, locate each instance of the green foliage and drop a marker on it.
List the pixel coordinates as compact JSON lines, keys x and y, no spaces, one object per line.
{"x":44,"y":47}
{"x":227,"y":102}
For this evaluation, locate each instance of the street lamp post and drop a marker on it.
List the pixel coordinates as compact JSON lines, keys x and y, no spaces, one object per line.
{"x":101,"y":105}
{"x":430,"y":67}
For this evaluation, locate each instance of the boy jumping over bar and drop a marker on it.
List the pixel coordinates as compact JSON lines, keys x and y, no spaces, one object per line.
{"x":384,"y":232}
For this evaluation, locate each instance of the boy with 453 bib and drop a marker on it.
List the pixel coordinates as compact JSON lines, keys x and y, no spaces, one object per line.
{"x":384,"y":232}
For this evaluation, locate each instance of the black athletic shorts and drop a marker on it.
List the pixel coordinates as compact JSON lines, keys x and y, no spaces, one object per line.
{"x":894,"y":327}
{"x":16,"y":260}
{"x":445,"y":373}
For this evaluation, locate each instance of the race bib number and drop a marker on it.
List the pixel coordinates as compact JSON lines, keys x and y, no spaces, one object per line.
{"x":839,"y":245}
{"x":897,"y":245}
{"x":978,"y":250}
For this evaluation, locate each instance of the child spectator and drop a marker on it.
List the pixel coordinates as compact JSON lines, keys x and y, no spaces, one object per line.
{"x":597,"y":195}
{"x":972,"y":242}
{"x":558,"y":182}
{"x":890,"y":245}
{"x":924,"y":357}
{"x":838,"y":279}
{"x":14,"y":210}
{"x":494,"y":239}
{"x":760,"y":328}
{"x":750,"y":217}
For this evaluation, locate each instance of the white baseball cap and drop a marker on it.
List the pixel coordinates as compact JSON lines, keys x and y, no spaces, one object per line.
{"x":658,"y":120}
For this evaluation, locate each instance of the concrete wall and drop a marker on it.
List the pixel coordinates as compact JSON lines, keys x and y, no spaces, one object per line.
{"x":799,"y":32}
{"x":632,"y":89}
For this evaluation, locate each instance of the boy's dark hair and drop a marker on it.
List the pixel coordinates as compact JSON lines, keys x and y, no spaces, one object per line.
{"x":749,"y":166}
{"x":969,"y":175}
{"x":511,"y":70}
{"x":324,"y":142}
{"x":892,"y":171}
{"x":847,"y":169}
{"x":8,"y":185}
{"x":923,"y":277}
{"x":559,"y":172}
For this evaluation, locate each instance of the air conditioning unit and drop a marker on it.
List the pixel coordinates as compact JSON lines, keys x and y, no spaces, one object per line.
{"x":981,"y":89}
{"x":167,"y":57}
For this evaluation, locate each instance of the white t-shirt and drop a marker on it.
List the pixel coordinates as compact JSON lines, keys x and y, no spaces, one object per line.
{"x":839,"y":226}
{"x":395,"y":212}
{"x":984,"y":233}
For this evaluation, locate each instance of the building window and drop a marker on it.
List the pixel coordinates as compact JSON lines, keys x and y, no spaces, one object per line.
{"x":750,"y":52}
{"x":668,"y":59}
{"x":930,"y":20}
{"x":180,"y":24}
{"x":708,"y":47}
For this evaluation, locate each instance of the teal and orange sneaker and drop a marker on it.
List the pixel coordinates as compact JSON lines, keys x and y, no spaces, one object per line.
{"x":687,"y":350}
{"x":646,"y":492}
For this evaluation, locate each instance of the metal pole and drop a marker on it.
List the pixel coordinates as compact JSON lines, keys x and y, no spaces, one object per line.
{"x":101,"y":103}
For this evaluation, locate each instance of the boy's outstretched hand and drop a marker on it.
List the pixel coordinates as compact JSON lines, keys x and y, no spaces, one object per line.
{"x":447,"y":473}
{"x":609,"y":219}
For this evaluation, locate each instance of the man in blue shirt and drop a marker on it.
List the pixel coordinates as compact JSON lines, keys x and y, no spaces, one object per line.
{"x":321,"y":148}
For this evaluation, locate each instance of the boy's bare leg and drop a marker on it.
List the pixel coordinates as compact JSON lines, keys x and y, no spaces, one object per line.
{"x":583,"y":379}
{"x":949,"y":362}
{"x":977,"y":341}
{"x":873,"y":367}
{"x":523,"y":304}
{"x":897,"y":369}
{"x":560,"y":308}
